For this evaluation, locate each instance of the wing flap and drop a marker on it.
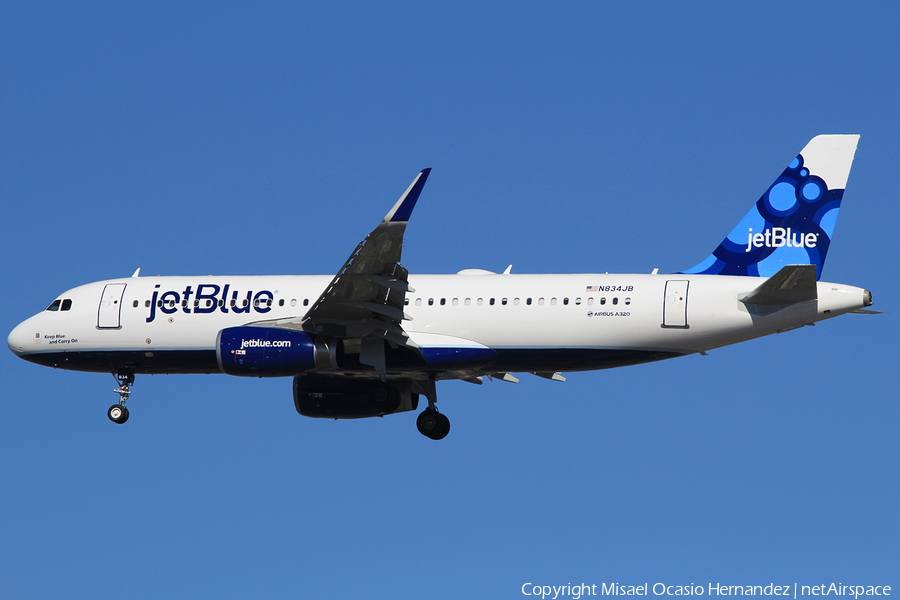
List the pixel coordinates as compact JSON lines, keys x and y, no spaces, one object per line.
{"x":394,"y":284}
{"x":389,"y":311}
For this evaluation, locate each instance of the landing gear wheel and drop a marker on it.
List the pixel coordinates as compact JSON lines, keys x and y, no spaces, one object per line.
{"x":427,"y":422}
{"x":117,"y":413}
{"x":433,"y":424}
{"x":443,"y":423}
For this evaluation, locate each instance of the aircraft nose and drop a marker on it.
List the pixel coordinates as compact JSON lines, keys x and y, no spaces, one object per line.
{"x":20,"y":337}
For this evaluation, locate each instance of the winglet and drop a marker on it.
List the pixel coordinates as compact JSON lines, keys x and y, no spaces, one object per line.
{"x":407,"y":202}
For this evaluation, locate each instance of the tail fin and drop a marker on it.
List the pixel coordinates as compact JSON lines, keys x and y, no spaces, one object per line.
{"x":792,"y":223}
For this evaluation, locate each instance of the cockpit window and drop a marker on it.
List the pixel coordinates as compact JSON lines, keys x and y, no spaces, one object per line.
{"x":66,"y":304}
{"x":55,"y":305}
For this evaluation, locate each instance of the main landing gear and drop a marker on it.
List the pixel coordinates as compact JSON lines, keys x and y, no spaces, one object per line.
{"x":431,"y":423}
{"x":118,"y":413}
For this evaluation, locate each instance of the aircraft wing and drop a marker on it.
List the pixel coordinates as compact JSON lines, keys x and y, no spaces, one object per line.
{"x":366,"y":296}
{"x":365,"y":299}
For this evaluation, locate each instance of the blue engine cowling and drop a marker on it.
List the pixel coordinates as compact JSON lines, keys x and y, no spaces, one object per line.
{"x":273,"y":352}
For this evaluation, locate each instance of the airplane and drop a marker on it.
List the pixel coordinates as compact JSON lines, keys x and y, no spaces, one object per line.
{"x":373,"y":338}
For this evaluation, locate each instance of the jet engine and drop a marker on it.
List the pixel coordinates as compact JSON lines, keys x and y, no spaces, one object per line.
{"x":273,"y":352}
{"x":340,"y":398}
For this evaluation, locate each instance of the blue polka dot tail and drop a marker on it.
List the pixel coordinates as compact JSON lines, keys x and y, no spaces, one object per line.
{"x":793,"y":221}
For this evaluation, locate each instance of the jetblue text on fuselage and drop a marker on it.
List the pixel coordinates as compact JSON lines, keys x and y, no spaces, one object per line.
{"x":207,"y":298}
{"x":781,"y":236}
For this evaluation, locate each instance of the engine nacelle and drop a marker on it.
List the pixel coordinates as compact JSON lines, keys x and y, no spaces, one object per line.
{"x":273,"y":352}
{"x":338,"y":398}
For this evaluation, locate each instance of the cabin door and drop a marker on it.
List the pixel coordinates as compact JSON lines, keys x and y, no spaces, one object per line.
{"x":675,"y":305}
{"x":110,"y":311}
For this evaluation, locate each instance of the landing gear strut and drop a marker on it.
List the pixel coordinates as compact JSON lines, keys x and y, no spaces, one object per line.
{"x":430,"y":422}
{"x":118,"y":413}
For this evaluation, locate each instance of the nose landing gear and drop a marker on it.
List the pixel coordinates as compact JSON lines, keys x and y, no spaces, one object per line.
{"x":118,"y":413}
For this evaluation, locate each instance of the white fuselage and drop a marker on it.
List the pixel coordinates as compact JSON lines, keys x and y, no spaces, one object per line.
{"x":535,"y":322}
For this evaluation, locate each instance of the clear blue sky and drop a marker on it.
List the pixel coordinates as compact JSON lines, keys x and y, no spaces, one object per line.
{"x":233,"y":138}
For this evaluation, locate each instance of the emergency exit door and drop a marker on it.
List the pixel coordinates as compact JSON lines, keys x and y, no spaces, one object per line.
{"x":111,"y":306}
{"x":675,"y":305}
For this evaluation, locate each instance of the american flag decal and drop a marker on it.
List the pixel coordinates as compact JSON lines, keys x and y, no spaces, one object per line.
{"x":593,"y":288}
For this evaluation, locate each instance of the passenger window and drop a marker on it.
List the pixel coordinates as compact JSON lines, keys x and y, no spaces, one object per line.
{"x":232,"y":302}
{"x":146,"y":304}
{"x":627,"y":301}
{"x":222,"y":302}
{"x":280,"y":302}
{"x":590,"y":301}
{"x":480,"y":302}
{"x":443,"y":301}
{"x":552,"y":301}
{"x":67,"y":304}
{"x":540,"y":301}
{"x":196,"y":303}
{"x":135,"y":305}
{"x":615,"y":300}
{"x":468,"y":301}
{"x":503,"y":302}
{"x":566,"y":301}
{"x":577,"y":301}
{"x":306,"y":302}
{"x":54,"y":306}
{"x":246,"y":302}
{"x":602,"y":301}
{"x":406,"y":302}
{"x":293,"y":302}
{"x":528,"y":302}
{"x":492,"y":301}
{"x":418,"y":302}
{"x":455,"y":301}
{"x":431,"y":302}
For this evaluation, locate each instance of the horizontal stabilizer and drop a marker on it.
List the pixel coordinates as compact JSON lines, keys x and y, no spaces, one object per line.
{"x":792,"y":284}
